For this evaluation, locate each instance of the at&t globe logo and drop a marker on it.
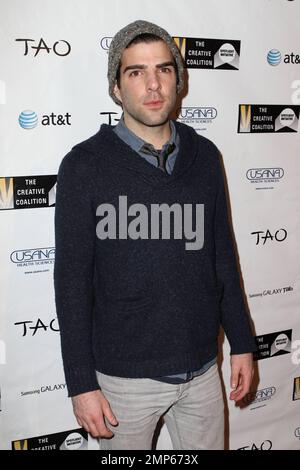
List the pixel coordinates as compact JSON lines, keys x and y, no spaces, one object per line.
{"x":274,"y":57}
{"x":28,"y":119}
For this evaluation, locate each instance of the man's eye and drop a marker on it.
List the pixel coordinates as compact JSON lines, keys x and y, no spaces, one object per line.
{"x":135,"y":73}
{"x":165,"y":69}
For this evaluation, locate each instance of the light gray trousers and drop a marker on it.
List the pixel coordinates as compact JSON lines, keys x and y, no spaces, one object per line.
{"x":193,"y":412}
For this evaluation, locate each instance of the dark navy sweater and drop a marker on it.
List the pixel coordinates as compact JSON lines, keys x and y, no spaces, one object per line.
{"x":144,"y":307}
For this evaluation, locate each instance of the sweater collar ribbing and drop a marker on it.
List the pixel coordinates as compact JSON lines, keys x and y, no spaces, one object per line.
{"x":114,"y":151}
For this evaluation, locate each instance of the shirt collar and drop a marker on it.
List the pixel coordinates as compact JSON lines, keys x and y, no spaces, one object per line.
{"x":135,"y":142}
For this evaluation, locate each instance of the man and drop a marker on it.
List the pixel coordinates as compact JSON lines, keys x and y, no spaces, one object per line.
{"x":145,"y":269}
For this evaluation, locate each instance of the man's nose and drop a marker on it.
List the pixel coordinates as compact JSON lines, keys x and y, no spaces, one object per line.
{"x":153,"y":81}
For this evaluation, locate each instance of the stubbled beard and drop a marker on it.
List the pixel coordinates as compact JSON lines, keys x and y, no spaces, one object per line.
{"x":146,"y":121}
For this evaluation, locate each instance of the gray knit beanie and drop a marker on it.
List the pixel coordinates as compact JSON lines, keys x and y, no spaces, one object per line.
{"x":125,"y":36}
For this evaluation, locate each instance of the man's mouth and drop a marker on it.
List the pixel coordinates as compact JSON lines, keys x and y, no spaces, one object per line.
{"x":154,"y":104}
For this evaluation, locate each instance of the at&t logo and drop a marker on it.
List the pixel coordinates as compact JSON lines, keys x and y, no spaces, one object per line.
{"x":29,"y":119}
{"x":274,"y":57}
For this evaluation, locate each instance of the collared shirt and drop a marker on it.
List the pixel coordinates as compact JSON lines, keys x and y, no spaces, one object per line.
{"x":136,"y":143}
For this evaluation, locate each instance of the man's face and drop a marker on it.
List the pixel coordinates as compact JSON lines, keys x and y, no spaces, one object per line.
{"x":147,"y":84}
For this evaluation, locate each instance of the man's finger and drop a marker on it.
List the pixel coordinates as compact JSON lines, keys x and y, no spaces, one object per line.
{"x":109,"y":414}
{"x":103,"y":430}
{"x":85,"y":425}
{"x":234,"y":380}
{"x":93,"y":430}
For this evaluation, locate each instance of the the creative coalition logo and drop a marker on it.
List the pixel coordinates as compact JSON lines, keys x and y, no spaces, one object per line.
{"x":261,"y":118}
{"x":267,"y":175}
{"x":29,"y":119}
{"x":33,"y":258}
{"x":260,"y":397}
{"x":59,"y":48}
{"x":273,"y":344}
{"x":33,"y":327}
{"x":27,"y":192}
{"x":296,"y":390}
{"x":265,"y":445}
{"x":198,"y":117}
{"x":75,"y":439}
{"x":274,"y":58}
{"x":44,"y":389}
{"x":269,"y":292}
{"x":297,"y":433}
{"x":199,"y":53}
{"x":266,"y":236}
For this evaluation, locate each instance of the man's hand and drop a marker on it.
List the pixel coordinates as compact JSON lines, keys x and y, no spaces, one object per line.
{"x":241,"y":375}
{"x":91,"y":409}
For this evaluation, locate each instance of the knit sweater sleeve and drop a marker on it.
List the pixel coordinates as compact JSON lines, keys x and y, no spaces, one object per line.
{"x":74,"y":270}
{"x":234,"y":315}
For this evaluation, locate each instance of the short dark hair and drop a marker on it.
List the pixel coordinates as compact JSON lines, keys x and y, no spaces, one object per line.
{"x":142,"y":38}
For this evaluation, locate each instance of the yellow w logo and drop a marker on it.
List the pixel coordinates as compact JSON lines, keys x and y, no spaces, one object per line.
{"x":245,"y":117}
{"x":6,"y":193}
{"x":20,"y":445}
{"x":181,"y":44}
{"x":297,"y":389}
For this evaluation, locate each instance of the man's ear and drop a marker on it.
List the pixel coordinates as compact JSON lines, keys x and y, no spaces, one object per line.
{"x":117,"y":92}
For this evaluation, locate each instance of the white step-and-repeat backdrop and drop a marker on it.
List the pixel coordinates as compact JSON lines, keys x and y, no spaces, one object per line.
{"x":242,"y":60}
